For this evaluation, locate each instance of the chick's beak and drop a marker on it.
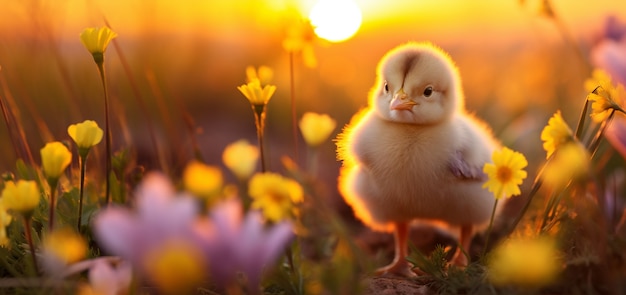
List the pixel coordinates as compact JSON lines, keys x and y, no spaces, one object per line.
{"x":401,"y":101}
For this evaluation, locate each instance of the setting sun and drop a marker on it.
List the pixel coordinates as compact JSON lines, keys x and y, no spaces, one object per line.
{"x":335,"y":20}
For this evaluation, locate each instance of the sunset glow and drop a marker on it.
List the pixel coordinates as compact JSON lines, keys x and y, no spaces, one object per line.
{"x":336,"y":20}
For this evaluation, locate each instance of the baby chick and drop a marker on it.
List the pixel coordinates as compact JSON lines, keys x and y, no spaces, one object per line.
{"x":415,"y":153}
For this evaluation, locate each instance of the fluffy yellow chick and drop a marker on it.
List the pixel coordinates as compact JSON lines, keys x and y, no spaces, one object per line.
{"x":415,"y":153}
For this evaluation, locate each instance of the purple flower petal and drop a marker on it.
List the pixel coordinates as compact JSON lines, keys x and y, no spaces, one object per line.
{"x":613,"y":29}
{"x":115,"y":228}
{"x":160,"y":216}
{"x":105,"y":279}
{"x":235,"y":245}
{"x":611,"y":56}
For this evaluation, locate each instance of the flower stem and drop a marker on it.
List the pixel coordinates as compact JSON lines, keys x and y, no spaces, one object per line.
{"x":533,"y":191}
{"x":259,"y":116}
{"x":5,"y":116}
{"x":312,"y":159}
{"x":581,"y":120}
{"x":493,"y":214}
{"x":82,"y":191}
{"x":550,"y":211}
{"x":293,"y":106}
{"x":593,"y":145}
{"x":107,"y":132}
{"x":29,"y":239}
{"x":52,"y":182}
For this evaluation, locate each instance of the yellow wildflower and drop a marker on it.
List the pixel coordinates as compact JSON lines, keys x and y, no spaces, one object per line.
{"x":524,"y":262}
{"x":65,"y":245}
{"x":316,"y":128}
{"x":599,"y":79}
{"x":85,"y":134}
{"x":22,"y":196}
{"x":241,"y":158}
{"x":300,"y":38}
{"x":274,"y":195}
{"x":606,"y":97}
{"x":256,"y":94}
{"x":202,"y":180}
{"x":571,"y":161}
{"x":175,"y":267}
{"x":264,"y":74}
{"x":5,"y":220}
{"x":555,"y":134}
{"x":55,"y":157}
{"x":506,"y":173}
{"x":96,"y":40}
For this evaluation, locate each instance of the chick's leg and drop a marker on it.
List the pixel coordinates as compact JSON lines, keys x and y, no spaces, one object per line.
{"x":399,"y":266}
{"x":464,"y":243}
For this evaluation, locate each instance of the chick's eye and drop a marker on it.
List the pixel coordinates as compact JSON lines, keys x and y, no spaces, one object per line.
{"x":428,"y":91}
{"x":386,"y":87}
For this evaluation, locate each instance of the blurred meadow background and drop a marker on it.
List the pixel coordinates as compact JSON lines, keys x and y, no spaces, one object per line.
{"x":185,"y":59}
{"x":174,"y":68}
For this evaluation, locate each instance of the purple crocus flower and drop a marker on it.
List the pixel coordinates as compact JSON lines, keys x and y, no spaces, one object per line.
{"x":242,"y":244}
{"x":233,"y":243}
{"x":609,"y":53}
{"x":160,"y":216}
{"x":614,"y":29}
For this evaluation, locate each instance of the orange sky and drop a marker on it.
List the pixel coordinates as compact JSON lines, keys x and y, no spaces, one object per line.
{"x":233,"y":17}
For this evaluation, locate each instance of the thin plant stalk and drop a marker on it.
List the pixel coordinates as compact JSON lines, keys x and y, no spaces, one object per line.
{"x":312,"y":159}
{"x":581,"y":120}
{"x":552,"y":207}
{"x":533,"y":191}
{"x":5,"y":116}
{"x":29,"y":239}
{"x":493,"y":214}
{"x":82,"y":190}
{"x":107,"y":132}
{"x":292,"y":92}
{"x":538,"y":182}
{"x":140,"y":99}
{"x":191,"y":127}
{"x":53,"y":193}
{"x":9,"y":106}
{"x":259,"y":120}
{"x":595,"y":142}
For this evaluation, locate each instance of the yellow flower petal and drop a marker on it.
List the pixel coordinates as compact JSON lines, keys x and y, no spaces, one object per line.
{"x":241,"y":158}
{"x":506,"y":173}
{"x":21,"y":196}
{"x":556,"y":133}
{"x":316,"y":128}
{"x":96,"y":40}
{"x":524,"y":262}
{"x":570,"y":162}
{"x":274,"y":195}
{"x":264,"y":74}
{"x":300,"y":38}
{"x":607,"y":97}
{"x":176,"y":267}
{"x":55,"y":157}
{"x":66,"y":245}
{"x":256,"y":94}
{"x":85,"y":134}
{"x":5,"y":220}
{"x":202,"y":180}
